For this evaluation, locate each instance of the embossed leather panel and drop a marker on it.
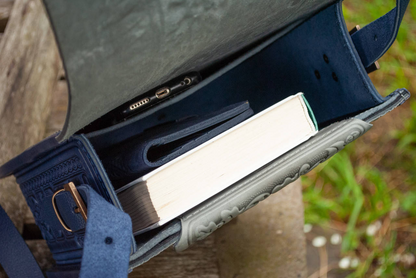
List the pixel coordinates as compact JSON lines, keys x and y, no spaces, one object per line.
{"x":69,"y":162}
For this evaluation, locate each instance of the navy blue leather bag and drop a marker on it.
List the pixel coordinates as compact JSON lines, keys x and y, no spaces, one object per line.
{"x":192,"y":70}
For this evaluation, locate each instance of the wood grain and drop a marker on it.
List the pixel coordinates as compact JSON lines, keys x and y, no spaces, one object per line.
{"x":267,"y":240}
{"x":29,"y":63}
{"x":5,"y":10}
{"x":200,"y":261}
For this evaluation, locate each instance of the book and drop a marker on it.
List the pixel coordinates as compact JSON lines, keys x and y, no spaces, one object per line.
{"x":204,"y":171}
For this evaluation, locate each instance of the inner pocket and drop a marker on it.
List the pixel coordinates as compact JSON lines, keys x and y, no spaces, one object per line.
{"x":158,"y":152}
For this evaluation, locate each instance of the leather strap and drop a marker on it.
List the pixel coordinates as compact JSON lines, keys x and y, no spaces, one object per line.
{"x":107,"y":240}
{"x":106,"y":250}
{"x":15,"y":256}
{"x":29,"y":156}
{"x":372,"y":41}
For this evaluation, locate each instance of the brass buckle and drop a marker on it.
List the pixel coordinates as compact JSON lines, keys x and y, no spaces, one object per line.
{"x":374,"y":66}
{"x":81,"y":208}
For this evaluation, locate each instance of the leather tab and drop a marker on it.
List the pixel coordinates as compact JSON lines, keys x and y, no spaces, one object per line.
{"x":372,"y":41}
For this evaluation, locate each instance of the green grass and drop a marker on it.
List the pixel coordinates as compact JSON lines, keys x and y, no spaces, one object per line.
{"x":373,"y":180}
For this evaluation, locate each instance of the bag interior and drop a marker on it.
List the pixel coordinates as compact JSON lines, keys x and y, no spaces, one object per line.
{"x":317,"y":58}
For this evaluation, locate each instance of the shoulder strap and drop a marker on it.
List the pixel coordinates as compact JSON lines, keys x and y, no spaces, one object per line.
{"x":107,"y":240}
{"x":106,"y":248}
{"x":15,"y":256}
{"x":375,"y":39}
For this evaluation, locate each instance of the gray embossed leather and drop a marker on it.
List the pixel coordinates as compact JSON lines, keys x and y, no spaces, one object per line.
{"x":115,"y":50}
{"x":217,"y":211}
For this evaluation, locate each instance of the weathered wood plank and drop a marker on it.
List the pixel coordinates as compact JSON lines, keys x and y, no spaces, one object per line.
{"x":5,"y":9}
{"x":29,"y":64}
{"x":267,"y":240}
{"x":59,"y":106}
{"x":200,"y":261}
{"x":41,"y":252}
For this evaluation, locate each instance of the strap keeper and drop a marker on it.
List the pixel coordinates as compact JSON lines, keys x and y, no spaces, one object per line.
{"x":374,"y":66}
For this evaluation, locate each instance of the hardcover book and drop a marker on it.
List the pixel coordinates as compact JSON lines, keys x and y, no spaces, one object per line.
{"x":185,"y":182}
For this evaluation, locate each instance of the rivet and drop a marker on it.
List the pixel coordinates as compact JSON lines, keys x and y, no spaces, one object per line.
{"x":334,"y":76}
{"x":108,"y":240}
{"x":317,"y":74}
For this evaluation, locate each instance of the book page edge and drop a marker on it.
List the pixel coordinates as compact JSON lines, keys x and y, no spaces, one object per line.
{"x":198,"y":202}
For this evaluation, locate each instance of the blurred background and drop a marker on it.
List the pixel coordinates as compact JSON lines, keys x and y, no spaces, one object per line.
{"x":360,"y":206}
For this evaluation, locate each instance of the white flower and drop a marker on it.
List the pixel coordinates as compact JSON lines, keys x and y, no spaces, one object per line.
{"x":307,"y":228}
{"x":378,"y":272}
{"x":355,"y":262}
{"x":395,"y":205}
{"x":381,"y":261}
{"x":396,"y":258}
{"x":373,"y":228}
{"x":319,"y":241}
{"x":393,"y":214}
{"x":336,"y":239}
{"x":408,"y":259}
{"x":344,"y":263}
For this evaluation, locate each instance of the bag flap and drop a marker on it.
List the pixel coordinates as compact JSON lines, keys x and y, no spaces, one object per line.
{"x":116,"y":50}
